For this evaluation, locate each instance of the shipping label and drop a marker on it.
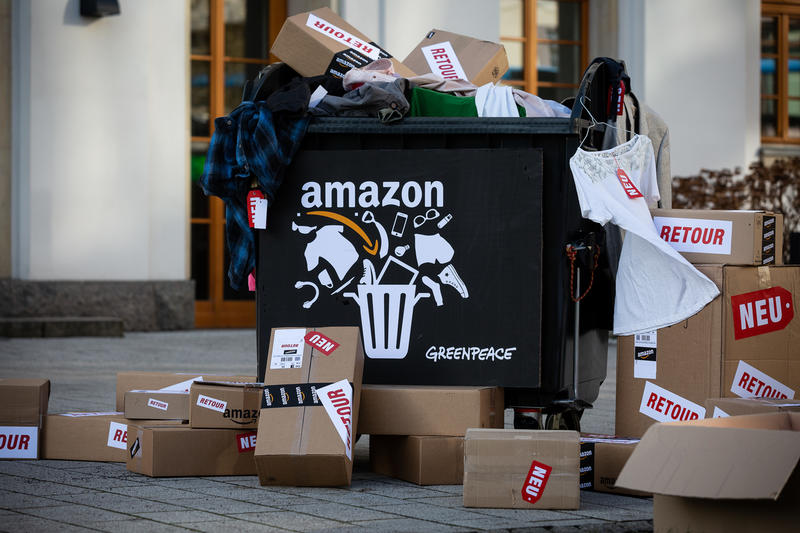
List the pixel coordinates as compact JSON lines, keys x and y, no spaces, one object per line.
{"x":320,"y":342}
{"x":343,"y":37}
{"x":535,"y":482}
{"x":442,"y":60}
{"x":211,"y":403}
{"x":337,"y":398}
{"x":19,"y":442}
{"x":157,"y":404}
{"x":719,"y":413}
{"x":246,"y":442}
{"x":697,"y":235}
{"x":287,"y":349}
{"x":117,"y":435}
{"x":644,"y":355}
{"x":760,"y":312}
{"x":136,"y":447}
{"x":664,"y":406}
{"x":750,"y":382}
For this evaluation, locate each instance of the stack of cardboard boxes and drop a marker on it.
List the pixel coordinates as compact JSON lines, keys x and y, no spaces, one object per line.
{"x":738,"y":356}
{"x":743,"y":344}
{"x":417,"y":432}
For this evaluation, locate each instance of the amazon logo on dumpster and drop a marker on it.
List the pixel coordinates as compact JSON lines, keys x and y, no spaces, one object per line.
{"x":343,"y":194}
{"x":386,"y":246}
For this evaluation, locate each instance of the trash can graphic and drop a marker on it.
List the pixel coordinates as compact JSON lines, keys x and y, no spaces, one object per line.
{"x":386,"y":316}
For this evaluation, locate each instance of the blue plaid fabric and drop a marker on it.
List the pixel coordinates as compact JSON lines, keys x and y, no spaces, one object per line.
{"x":250,"y":143}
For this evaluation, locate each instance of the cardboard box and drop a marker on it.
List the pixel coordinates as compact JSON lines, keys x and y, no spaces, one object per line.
{"x":429,"y":410}
{"x":720,"y":474}
{"x":156,"y":405}
{"x":722,"y":407}
{"x":85,"y":437}
{"x":89,"y":436}
{"x":173,"y":451}
{"x":424,"y":460}
{"x":723,"y":237}
{"x":23,"y":402}
{"x":309,"y":410}
{"x":23,"y":405}
{"x":225,"y":405}
{"x":454,"y":56}
{"x":166,"y":380}
{"x":744,"y":343}
{"x":602,"y":459}
{"x":521,"y":469}
{"x":320,"y":42}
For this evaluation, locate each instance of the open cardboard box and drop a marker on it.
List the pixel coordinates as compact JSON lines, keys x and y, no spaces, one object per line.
{"x":720,"y":474}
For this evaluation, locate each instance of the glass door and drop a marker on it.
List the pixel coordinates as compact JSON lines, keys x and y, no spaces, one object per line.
{"x":230,"y":40}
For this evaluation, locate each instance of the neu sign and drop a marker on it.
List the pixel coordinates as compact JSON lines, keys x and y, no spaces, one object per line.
{"x":321,"y":342}
{"x":759,"y":312}
{"x":246,"y":442}
{"x":535,"y":481}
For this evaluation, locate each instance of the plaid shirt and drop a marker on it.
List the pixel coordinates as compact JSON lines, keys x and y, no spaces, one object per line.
{"x":251,"y":142}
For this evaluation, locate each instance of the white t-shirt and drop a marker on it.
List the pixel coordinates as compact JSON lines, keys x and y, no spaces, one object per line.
{"x":656,"y":286}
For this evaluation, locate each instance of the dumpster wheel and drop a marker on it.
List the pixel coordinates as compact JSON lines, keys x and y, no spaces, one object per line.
{"x":569,"y":419}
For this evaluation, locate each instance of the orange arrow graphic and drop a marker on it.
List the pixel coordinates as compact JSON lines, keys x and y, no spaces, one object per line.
{"x":371,"y":249}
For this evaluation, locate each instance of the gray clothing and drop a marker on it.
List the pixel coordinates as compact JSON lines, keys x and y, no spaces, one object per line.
{"x":384,"y":100}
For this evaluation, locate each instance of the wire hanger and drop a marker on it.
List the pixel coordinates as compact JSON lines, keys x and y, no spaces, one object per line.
{"x":583,"y":99}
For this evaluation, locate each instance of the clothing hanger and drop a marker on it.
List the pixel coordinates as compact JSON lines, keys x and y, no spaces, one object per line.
{"x":583,"y":99}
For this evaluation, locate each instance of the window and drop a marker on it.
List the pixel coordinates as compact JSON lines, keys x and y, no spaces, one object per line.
{"x":230,"y":40}
{"x":780,"y":72}
{"x":546,"y":43}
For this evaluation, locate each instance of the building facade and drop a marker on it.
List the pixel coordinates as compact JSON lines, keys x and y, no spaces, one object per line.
{"x":104,"y":122}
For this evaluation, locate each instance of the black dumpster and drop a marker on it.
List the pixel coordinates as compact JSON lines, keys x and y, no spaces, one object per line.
{"x":445,"y":240}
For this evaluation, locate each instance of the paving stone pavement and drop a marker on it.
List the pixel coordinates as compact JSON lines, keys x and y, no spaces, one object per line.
{"x":85,"y":496}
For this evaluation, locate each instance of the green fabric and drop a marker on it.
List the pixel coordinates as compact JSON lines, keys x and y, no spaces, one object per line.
{"x":428,"y":103}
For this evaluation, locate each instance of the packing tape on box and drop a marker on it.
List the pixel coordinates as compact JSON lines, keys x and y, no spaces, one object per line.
{"x":292,"y":395}
{"x":764,"y":278}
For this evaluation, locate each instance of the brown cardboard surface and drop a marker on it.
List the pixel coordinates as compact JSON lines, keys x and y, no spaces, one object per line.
{"x":738,"y":457}
{"x":424,"y":460}
{"x":687,"y":359}
{"x":756,"y":237}
{"x":311,"y":52}
{"x":158,"y":380}
{"x":718,"y":474}
{"x":482,"y":61}
{"x":159,"y":451}
{"x":156,"y":405}
{"x":775,"y":353}
{"x":497,"y":463}
{"x":85,"y":437}
{"x":748,"y":406}
{"x":23,"y":402}
{"x":299,"y":445}
{"x":242,"y":404}
{"x":699,"y":358}
{"x":429,"y":410}
{"x":602,"y":459}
